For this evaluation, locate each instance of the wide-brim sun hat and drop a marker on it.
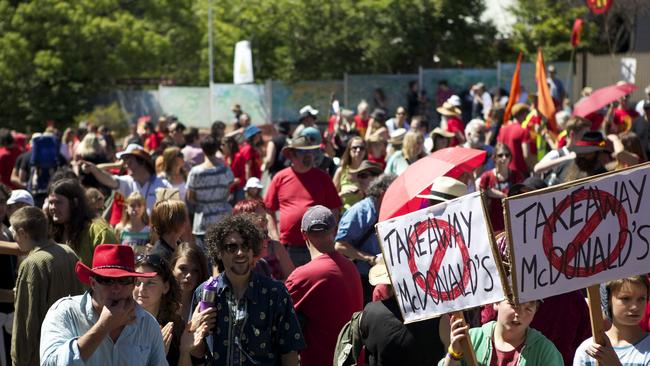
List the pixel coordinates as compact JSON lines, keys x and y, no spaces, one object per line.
{"x":378,"y":274}
{"x":445,"y":189}
{"x":138,"y":152}
{"x":300,"y":143}
{"x":591,"y":141}
{"x":448,"y":110}
{"x":112,"y":261}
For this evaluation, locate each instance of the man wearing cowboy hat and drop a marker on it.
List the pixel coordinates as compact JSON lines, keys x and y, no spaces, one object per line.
{"x":296,"y":188}
{"x":104,"y":326}
{"x":141,"y":175}
{"x":307,"y":119}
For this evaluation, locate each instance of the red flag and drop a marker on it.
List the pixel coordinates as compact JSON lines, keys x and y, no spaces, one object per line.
{"x":599,"y":6}
{"x":577,"y":31}
{"x":514,"y":91}
{"x":545,"y":104}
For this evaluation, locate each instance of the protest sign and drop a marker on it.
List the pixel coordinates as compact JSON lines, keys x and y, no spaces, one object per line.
{"x":440,"y":259}
{"x":579,"y":234}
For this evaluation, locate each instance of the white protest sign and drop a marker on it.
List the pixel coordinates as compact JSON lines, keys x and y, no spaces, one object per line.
{"x":628,"y":69}
{"x":440,"y":259}
{"x":579,"y":234}
{"x":243,"y":65}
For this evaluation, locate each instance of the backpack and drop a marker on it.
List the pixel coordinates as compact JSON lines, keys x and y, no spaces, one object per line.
{"x":349,"y":344}
{"x":43,"y":163}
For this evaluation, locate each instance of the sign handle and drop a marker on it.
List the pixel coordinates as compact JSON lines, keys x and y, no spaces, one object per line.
{"x":468,"y":351}
{"x":596,"y":315}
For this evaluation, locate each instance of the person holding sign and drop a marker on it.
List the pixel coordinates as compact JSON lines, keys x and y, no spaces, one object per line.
{"x":507,"y":341}
{"x":627,"y":344}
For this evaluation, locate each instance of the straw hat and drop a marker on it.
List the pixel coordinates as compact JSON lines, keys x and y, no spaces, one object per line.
{"x":445,"y":189}
{"x":448,"y":110}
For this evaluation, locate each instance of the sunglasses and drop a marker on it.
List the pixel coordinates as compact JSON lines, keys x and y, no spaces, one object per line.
{"x":357,"y":148}
{"x":235,"y":248}
{"x":110,"y":281}
{"x":366,"y":175}
{"x":503,"y":155}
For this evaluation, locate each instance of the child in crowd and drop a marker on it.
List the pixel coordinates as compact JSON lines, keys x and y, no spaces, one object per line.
{"x":507,"y":341}
{"x":253,"y":189}
{"x":133,"y":229}
{"x":95,"y":200}
{"x":627,"y":344}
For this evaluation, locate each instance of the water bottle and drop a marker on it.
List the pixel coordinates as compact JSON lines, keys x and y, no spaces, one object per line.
{"x":208,"y":295}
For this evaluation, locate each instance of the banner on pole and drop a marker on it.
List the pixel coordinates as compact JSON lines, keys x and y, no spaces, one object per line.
{"x":441,"y":259}
{"x":578,"y":234}
{"x":243,"y":65}
{"x":628,"y":69}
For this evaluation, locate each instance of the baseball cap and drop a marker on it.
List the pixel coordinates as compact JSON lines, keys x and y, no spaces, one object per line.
{"x":20,"y":196}
{"x":253,"y":182}
{"x":318,"y":219}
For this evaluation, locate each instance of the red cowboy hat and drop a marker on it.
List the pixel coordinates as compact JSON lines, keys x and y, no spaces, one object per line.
{"x":111,"y":260}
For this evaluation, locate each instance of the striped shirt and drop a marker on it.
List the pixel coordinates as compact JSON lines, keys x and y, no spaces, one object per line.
{"x":211,"y":189}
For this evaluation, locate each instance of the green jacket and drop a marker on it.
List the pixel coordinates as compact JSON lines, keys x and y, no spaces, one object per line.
{"x":538,"y":350}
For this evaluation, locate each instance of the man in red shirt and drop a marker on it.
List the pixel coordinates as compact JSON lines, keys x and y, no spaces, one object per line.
{"x":8,"y":155}
{"x":250,"y":153}
{"x":296,"y":188}
{"x":326,"y":291}
{"x":518,"y":140}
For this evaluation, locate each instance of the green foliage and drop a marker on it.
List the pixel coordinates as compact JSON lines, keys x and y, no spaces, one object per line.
{"x":549,"y":23}
{"x":111,"y":116}
{"x":56,"y":56}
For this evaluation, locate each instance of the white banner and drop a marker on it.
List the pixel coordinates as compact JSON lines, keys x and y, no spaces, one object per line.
{"x":580,"y":234}
{"x":243,"y":65}
{"x":440,"y":259}
{"x":628,"y":69}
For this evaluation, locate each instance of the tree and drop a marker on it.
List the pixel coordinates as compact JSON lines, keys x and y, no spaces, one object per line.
{"x":548,"y":24}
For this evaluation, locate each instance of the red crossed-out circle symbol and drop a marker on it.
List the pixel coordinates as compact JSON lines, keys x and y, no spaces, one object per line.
{"x":605,"y":199}
{"x":447,"y":231}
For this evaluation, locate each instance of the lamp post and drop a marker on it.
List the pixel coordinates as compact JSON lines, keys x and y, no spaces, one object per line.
{"x":210,"y":60}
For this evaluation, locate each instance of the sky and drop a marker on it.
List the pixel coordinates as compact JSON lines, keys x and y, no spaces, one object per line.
{"x":496,"y":11}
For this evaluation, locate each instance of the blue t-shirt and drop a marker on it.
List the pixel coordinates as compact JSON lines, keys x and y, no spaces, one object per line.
{"x":355,"y":224}
{"x":637,"y":354}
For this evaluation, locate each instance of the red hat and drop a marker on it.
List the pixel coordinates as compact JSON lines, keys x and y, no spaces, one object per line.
{"x":111,"y":260}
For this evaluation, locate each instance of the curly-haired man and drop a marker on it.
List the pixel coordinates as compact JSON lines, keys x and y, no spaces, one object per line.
{"x":256,"y":323}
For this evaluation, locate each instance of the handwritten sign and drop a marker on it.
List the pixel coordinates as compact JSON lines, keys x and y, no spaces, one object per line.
{"x":579,"y":234}
{"x":440,"y":259}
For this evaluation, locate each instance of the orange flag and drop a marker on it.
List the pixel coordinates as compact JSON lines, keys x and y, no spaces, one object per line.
{"x":545,"y":104}
{"x":514,"y":91}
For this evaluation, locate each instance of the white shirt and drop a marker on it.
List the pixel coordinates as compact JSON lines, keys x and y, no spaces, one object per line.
{"x":69,"y":318}
{"x":128,"y":185}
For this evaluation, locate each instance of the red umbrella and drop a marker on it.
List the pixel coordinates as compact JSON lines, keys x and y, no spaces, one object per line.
{"x":400,"y":199}
{"x":602,"y":97}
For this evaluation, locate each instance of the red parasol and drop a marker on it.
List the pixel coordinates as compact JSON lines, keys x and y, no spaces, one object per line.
{"x":400,"y":198}
{"x":602,"y":97}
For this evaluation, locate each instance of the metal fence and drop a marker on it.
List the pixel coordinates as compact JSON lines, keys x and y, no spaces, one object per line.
{"x":275,"y":100}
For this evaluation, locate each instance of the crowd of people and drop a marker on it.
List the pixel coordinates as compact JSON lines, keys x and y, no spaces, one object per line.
{"x":236,"y":246}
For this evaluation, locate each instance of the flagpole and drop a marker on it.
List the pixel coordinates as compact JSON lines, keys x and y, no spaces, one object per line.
{"x":568,"y":73}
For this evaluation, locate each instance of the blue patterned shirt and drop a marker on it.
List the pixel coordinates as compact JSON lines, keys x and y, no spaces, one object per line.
{"x":256,"y":330}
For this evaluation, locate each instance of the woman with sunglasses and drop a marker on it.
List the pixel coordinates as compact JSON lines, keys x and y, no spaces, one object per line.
{"x":360,"y":179}
{"x":497,"y":182}
{"x":354,"y":154}
{"x":160,"y":296}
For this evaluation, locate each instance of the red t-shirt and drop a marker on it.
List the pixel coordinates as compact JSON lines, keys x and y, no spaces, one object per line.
{"x":361,"y":124}
{"x":292,"y":193}
{"x":238,"y":167}
{"x":251,"y":155}
{"x":501,"y":358}
{"x":514,"y":136}
{"x":327,"y":291}
{"x":489,"y":180}
{"x":455,"y":124}
{"x":7,"y":161}
{"x":596,"y":119}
